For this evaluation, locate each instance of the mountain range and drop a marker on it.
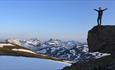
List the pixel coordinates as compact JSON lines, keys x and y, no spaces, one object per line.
{"x":67,"y":50}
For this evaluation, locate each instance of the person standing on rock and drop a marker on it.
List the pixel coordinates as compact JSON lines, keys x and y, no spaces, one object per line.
{"x":100,"y":13}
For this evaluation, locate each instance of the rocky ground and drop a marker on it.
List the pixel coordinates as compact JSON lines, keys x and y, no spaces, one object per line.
{"x":102,"y":39}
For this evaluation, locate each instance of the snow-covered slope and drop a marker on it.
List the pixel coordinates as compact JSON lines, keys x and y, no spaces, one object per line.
{"x":14,"y":41}
{"x":31,"y":44}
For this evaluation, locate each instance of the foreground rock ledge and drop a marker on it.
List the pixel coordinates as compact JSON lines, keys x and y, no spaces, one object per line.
{"x":102,"y":39}
{"x":104,"y":63}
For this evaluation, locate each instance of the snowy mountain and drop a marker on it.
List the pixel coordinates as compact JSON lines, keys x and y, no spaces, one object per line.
{"x":14,"y":41}
{"x":54,"y":42}
{"x":67,"y":50}
{"x":31,"y":44}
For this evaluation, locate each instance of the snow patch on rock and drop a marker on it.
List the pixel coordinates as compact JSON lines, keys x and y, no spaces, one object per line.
{"x":23,"y":50}
{"x":5,"y":44}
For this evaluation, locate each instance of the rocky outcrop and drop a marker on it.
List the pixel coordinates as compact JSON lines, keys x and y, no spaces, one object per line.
{"x":102,"y":39}
{"x":104,"y":63}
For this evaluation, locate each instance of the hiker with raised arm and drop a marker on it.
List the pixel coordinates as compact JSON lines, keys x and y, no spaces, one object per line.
{"x":100,"y":14}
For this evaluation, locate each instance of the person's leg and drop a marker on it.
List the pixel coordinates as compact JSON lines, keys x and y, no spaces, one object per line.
{"x":98,"y":21}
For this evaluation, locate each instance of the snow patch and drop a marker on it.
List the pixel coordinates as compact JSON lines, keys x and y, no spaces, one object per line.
{"x":65,"y":62}
{"x":23,"y":50}
{"x":14,"y":41}
{"x":5,"y":44}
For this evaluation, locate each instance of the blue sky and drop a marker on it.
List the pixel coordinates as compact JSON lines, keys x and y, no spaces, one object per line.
{"x":44,"y":19}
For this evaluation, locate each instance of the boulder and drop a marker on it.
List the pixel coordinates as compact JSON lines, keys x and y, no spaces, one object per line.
{"x":102,"y":39}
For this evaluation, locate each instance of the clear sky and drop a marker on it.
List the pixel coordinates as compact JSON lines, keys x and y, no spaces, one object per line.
{"x":44,"y":19}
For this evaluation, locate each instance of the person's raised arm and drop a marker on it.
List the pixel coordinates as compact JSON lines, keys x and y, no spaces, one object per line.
{"x":95,"y":9}
{"x":105,"y":9}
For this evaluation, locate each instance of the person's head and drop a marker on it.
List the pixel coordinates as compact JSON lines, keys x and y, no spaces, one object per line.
{"x":99,"y":8}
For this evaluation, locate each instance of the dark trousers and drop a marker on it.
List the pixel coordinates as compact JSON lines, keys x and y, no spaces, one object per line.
{"x":99,"y":20}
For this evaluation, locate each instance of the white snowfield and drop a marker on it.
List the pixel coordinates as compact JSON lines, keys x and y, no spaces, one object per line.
{"x":100,"y":54}
{"x":14,"y":41}
{"x":23,"y":50}
{"x":70,"y":62}
{"x":5,"y":44}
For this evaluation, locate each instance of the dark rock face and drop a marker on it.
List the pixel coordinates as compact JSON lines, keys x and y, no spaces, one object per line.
{"x":104,"y":63}
{"x":102,"y":39}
